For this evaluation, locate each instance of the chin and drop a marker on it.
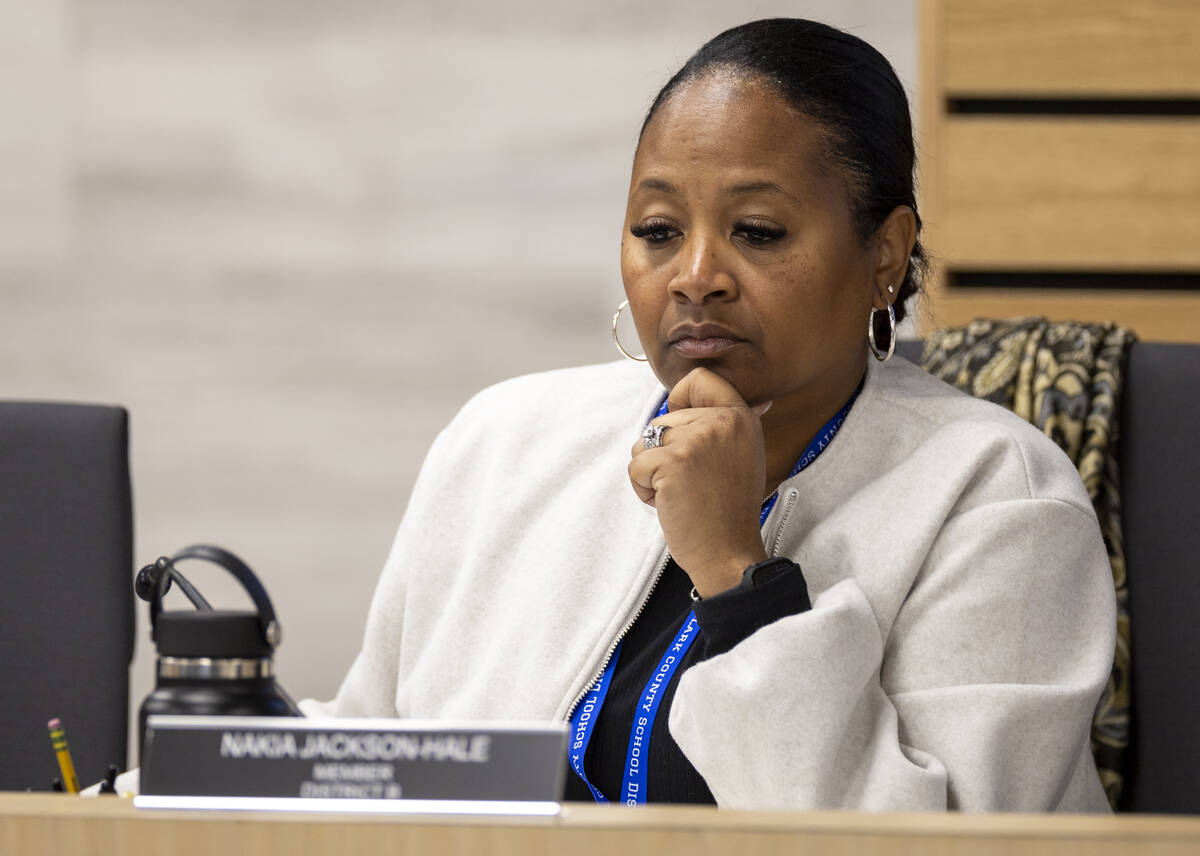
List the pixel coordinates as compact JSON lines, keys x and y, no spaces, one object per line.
{"x":670,"y":369}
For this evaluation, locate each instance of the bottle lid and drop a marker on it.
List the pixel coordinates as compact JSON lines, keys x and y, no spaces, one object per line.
{"x":217,"y":634}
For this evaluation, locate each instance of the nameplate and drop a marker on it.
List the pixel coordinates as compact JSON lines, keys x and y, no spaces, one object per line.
{"x":352,"y":764}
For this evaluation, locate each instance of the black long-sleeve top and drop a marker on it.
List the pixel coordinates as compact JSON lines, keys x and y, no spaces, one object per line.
{"x":724,"y":620}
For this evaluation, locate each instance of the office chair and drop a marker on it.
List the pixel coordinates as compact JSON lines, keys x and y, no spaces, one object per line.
{"x":1160,"y":512}
{"x":66,"y":607}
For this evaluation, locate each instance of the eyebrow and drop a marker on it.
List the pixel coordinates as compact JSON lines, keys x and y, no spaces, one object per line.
{"x":759,"y":187}
{"x":736,"y":190}
{"x":657,"y":184}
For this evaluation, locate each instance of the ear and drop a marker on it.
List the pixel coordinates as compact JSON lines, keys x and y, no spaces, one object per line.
{"x":893,"y":245}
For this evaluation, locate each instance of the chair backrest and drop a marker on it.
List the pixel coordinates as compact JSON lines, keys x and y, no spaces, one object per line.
{"x":1159,"y":457}
{"x":1160,"y":516}
{"x":66,"y":604}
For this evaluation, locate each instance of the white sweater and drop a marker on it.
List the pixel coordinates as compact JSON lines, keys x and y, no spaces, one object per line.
{"x":963,"y":614}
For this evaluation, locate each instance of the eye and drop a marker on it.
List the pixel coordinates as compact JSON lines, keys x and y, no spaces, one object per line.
{"x":654,"y":231}
{"x":758,"y":233}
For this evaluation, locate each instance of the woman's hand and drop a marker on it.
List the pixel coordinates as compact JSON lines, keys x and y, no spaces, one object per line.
{"x":707,"y":480}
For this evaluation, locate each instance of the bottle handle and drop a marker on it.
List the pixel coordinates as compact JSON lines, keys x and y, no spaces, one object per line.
{"x":271,"y":630}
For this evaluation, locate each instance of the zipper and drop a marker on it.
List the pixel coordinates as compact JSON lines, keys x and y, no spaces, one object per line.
{"x":617,"y":641}
{"x":793,"y":495}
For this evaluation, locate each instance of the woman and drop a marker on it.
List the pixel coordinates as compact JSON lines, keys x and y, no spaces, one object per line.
{"x":819,"y":580}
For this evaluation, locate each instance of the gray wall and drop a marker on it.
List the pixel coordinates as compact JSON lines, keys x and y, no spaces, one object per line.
{"x":292,"y":237}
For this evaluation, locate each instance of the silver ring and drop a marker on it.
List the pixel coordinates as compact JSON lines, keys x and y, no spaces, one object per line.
{"x":652,"y":436}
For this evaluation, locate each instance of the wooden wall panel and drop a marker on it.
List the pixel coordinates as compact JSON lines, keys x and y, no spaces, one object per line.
{"x":1062,"y":48}
{"x":1160,"y":316}
{"x":1071,"y":193}
{"x":1010,"y":187}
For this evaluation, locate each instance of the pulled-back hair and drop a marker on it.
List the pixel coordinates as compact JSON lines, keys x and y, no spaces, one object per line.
{"x":850,"y":90}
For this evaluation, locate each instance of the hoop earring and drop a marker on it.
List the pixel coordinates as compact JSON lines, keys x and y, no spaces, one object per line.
{"x":617,"y":341}
{"x":875,"y":352}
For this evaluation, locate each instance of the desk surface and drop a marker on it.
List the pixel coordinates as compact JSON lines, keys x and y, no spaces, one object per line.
{"x":35,"y":824}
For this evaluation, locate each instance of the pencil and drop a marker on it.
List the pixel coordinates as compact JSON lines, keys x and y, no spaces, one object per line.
{"x":59,"y":741}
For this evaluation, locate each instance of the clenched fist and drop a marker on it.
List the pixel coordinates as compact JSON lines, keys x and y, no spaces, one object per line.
{"x":707,"y":480}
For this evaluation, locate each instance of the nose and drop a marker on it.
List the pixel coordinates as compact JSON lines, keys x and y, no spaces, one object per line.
{"x":703,"y":275}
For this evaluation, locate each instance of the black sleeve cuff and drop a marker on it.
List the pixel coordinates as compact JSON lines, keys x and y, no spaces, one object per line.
{"x":731,"y":616}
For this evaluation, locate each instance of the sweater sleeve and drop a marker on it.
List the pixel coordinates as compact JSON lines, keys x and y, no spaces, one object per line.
{"x":978,"y":696}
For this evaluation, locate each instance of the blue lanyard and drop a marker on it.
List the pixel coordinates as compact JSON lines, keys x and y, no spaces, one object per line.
{"x":583,"y":722}
{"x":633,"y":789}
{"x":815,"y":447}
{"x":583,"y":719}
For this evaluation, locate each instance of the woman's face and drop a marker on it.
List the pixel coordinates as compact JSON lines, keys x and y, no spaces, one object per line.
{"x":739,"y":251}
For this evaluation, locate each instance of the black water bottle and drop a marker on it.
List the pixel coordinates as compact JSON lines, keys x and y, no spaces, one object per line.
{"x":211,"y":662}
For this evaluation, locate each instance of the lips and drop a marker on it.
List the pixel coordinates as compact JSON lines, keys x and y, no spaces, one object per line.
{"x":703,"y":341}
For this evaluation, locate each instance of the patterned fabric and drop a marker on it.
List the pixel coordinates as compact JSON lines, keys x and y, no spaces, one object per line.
{"x":1065,"y":378}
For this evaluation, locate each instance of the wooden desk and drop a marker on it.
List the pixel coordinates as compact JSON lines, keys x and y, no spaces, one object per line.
{"x":34,"y":824}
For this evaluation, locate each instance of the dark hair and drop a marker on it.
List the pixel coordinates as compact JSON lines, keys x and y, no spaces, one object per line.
{"x":850,"y":90}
